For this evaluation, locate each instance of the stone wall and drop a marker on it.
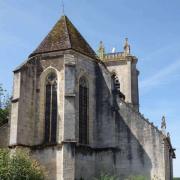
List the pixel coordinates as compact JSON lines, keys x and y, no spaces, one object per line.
{"x":127,"y":73}
{"x":126,"y":142}
{"x":15,"y":108}
{"x":26,"y":112}
{"x":4,"y":136}
{"x":51,"y":160}
{"x":123,"y":71}
{"x":49,"y":63}
{"x":58,"y":161}
{"x":168,"y":159}
{"x":76,"y":66}
{"x":139,"y":150}
{"x":27,"y":115}
{"x":143,"y":142}
{"x":104,"y":109}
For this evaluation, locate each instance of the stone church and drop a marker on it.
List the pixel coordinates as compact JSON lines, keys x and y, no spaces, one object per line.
{"x":78,"y":112}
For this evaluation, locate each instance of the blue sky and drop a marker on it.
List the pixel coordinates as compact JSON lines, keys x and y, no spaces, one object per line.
{"x":153,"y":29}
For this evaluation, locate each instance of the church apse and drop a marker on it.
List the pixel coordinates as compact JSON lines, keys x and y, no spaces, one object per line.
{"x":78,"y":114}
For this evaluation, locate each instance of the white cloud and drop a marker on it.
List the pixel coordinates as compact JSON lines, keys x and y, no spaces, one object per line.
{"x":163,"y":76}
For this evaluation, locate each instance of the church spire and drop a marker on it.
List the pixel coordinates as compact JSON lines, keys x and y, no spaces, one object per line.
{"x":101,"y":50}
{"x":127,"y":49}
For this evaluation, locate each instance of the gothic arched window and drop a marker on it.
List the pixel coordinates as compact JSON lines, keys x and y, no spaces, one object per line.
{"x":116,"y":86}
{"x":83,"y":110}
{"x":51,"y":108}
{"x":116,"y":82}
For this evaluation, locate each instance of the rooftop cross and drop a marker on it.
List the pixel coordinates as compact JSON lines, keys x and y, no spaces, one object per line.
{"x":62,"y":2}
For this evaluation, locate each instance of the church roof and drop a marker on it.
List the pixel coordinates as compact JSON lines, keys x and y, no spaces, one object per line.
{"x":64,"y":36}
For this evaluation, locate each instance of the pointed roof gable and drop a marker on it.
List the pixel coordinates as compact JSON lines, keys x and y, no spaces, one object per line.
{"x":64,"y":36}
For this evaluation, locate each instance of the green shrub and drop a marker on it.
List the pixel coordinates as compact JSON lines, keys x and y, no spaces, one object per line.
{"x":19,"y":166}
{"x":136,"y":178}
{"x":105,"y":176}
{"x":4,"y":106}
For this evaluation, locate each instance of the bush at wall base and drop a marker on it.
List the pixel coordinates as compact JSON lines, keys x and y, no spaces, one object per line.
{"x":18,"y":165}
{"x":136,"y":178}
{"x":105,"y":176}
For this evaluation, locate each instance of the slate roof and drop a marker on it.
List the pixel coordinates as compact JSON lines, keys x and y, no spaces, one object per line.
{"x":64,"y":36}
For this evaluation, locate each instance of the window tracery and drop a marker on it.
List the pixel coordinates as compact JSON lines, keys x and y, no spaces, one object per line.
{"x":83,"y":110}
{"x":51,"y":108}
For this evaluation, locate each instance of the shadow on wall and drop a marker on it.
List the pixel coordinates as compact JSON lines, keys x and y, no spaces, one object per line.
{"x":133,"y":159}
{"x":117,"y":151}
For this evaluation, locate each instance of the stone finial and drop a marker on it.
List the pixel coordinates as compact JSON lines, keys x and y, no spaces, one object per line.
{"x":101,"y":50}
{"x":163,"y":125}
{"x":127,"y":49}
{"x":168,"y":135}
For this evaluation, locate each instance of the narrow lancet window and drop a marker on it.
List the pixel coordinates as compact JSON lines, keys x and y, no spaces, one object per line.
{"x":83,"y":110}
{"x":51,"y":108}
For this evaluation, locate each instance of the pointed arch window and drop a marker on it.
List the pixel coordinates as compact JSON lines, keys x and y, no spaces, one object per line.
{"x":116,"y":82}
{"x":51,"y":108}
{"x":116,"y":86}
{"x":83,"y":110}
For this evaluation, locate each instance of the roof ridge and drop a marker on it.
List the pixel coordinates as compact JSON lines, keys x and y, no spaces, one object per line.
{"x":81,"y":38}
{"x":66,"y":26}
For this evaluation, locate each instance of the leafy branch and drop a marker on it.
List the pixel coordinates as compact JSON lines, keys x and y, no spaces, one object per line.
{"x":4,"y":106}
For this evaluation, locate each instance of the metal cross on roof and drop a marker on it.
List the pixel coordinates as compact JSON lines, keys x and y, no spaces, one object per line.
{"x":62,"y":1}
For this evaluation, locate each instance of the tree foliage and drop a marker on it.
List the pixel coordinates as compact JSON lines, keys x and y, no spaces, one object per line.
{"x":4,"y":106}
{"x":19,"y":166}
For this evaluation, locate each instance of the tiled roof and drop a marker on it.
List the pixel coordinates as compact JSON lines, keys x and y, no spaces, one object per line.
{"x":64,"y":36}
